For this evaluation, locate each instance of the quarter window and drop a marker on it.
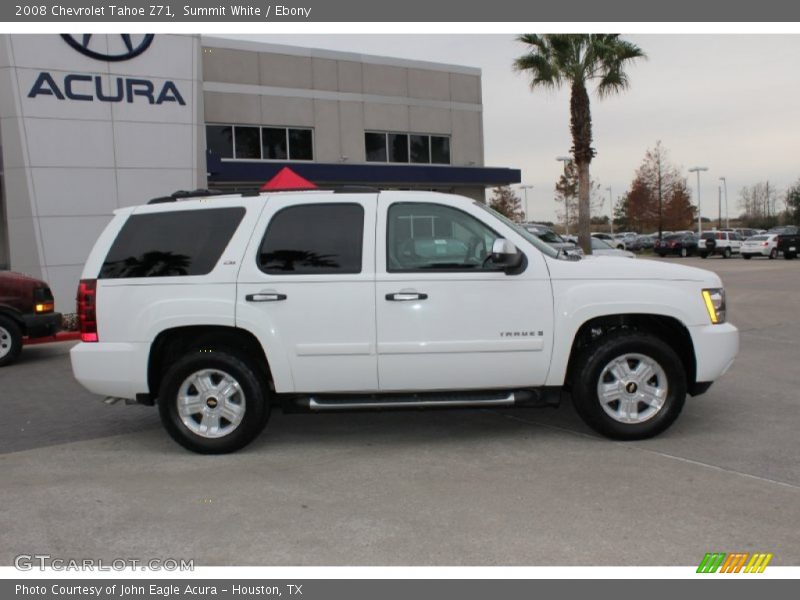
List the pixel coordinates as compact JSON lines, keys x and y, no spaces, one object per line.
{"x":171,"y":244}
{"x":313,"y":239}
{"x":425,"y":237}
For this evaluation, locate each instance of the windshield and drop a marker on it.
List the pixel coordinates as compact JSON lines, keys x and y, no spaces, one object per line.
{"x":539,"y":244}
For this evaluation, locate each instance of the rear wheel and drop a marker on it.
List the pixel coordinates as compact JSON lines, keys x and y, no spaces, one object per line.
{"x":788,"y":255}
{"x":213,"y":402}
{"x":726,"y":253}
{"x":684,"y":252}
{"x":704,"y":255}
{"x":748,"y":256}
{"x":10,"y":341}
{"x":629,"y":385}
{"x":773,"y":254}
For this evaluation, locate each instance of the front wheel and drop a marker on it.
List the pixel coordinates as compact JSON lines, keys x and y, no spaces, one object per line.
{"x":726,"y":253}
{"x":684,"y":253}
{"x":213,"y":402}
{"x":629,"y":385}
{"x":10,"y":341}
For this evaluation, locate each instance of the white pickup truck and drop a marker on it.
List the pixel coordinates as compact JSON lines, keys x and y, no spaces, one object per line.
{"x":219,"y":307}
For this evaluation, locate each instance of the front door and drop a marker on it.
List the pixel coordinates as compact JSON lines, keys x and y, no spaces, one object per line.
{"x":447,"y":319}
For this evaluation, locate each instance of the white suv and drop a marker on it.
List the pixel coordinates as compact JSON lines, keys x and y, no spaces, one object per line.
{"x":219,"y":308}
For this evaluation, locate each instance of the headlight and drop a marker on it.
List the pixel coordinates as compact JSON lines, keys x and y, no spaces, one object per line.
{"x":715,"y":304}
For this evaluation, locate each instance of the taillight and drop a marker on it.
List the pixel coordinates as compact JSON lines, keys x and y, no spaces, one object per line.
{"x":765,"y":244}
{"x":87,"y":317}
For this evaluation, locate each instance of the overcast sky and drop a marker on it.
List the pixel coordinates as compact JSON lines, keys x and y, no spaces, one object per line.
{"x":728,"y":102}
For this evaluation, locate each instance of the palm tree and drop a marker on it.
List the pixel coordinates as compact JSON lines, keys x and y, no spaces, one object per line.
{"x":553,"y":60}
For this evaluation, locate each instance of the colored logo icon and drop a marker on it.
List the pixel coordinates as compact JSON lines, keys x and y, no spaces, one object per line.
{"x":736,"y":562}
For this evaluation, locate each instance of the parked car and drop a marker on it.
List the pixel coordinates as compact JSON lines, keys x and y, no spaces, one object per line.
{"x":641,"y":242}
{"x":760,"y":245}
{"x":603,"y":248}
{"x":788,"y":241}
{"x":27,"y":309}
{"x":721,"y":243}
{"x":680,"y":244}
{"x":218,"y":309}
{"x":616,"y":243}
{"x":547,"y":235}
{"x":747,"y":232}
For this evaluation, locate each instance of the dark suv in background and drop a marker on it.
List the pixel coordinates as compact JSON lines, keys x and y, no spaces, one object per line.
{"x":26,"y":310}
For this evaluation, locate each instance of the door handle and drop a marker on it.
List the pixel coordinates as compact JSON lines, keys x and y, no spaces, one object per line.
{"x":265,"y":297}
{"x":406,"y":296}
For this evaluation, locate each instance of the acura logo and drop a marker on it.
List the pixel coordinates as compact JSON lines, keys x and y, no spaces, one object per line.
{"x":128,"y":47}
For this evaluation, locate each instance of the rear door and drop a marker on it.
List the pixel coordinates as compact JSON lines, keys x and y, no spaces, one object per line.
{"x":307,"y":289}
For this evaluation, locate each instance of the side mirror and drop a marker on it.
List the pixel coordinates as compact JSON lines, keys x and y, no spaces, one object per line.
{"x":505,"y":255}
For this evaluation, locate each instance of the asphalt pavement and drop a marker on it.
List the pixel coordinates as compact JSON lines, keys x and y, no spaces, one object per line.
{"x":79,"y":478}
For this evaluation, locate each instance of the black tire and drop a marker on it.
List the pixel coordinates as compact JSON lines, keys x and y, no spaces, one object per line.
{"x":10,"y":341}
{"x":590,"y":365}
{"x":684,"y":253}
{"x":704,"y":255}
{"x":726,"y":253}
{"x":773,"y":254}
{"x":748,"y":256}
{"x":251,"y":384}
{"x":788,"y":255}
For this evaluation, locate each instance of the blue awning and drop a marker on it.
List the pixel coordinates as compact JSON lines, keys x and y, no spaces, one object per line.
{"x":257,"y":172}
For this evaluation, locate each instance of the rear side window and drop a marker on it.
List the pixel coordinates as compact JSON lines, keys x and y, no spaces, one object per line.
{"x":171,"y":244}
{"x":313,"y":239}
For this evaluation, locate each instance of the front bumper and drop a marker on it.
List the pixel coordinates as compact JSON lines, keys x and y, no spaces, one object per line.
{"x":715,"y":348}
{"x":42,"y":325}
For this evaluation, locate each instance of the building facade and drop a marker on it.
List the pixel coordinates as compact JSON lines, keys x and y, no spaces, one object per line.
{"x":92,"y":123}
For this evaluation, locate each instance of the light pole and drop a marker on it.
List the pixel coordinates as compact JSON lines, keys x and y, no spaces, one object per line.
{"x":725,"y":187}
{"x":525,"y":188}
{"x":566,"y":160}
{"x":699,"y":221}
{"x":611,"y":208}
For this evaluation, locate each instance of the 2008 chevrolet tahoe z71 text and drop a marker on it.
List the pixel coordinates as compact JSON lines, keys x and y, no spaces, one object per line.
{"x":218,"y":308}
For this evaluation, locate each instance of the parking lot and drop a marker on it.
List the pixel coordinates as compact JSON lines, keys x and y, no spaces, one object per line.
{"x":472,"y":487}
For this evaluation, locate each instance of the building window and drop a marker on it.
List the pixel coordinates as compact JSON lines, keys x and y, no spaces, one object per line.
{"x":247,"y":142}
{"x":274,"y":143}
{"x":250,"y":142}
{"x":407,"y":148}
{"x":219,"y":139}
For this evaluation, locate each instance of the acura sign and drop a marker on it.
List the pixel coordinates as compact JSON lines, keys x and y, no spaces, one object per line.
{"x":88,"y":88}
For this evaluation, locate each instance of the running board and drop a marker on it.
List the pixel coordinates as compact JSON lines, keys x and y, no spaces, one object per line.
{"x":488,"y":399}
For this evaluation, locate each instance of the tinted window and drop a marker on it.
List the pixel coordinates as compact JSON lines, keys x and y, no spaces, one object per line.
{"x":398,"y":147}
{"x":375,"y":144}
{"x":274,"y":142}
{"x":300,"y":144}
{"x":420,"y":152}
{"x":248,"y":142}
{"x":313,"y":239}
{"x":219,"y":139}
{"x":432,"y":236}
{"x":440,"y":150}
{"x":171,"y":244}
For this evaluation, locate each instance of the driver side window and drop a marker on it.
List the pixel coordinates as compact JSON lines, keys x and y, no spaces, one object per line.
{"x":431,"y":237}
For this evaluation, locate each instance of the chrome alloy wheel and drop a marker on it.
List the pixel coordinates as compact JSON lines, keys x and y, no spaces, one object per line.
{"x":211,"y":403}
{"x":5,"y":342}
{"x":632,"y":388}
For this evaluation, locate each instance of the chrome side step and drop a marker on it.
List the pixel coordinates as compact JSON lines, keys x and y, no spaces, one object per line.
{"x":318,"y":404}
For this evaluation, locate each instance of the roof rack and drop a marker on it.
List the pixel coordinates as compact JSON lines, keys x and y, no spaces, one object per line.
{"x":356,"y":189}
{"x":184,"y":194}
